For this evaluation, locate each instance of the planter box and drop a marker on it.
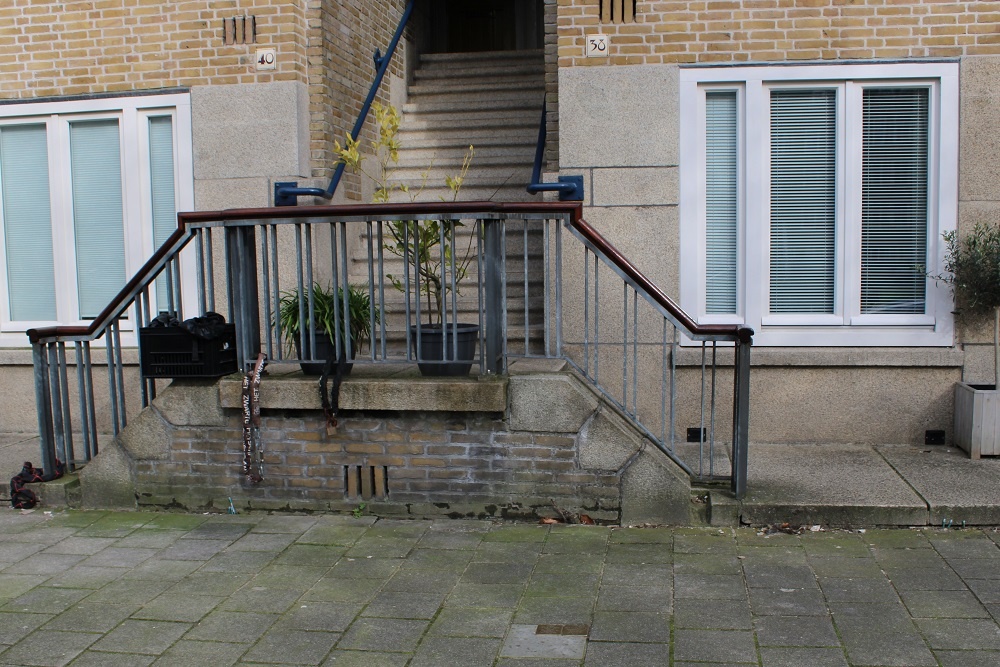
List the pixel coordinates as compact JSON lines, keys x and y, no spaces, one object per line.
{"x":171,"y":352}
{"x":977,"y":419}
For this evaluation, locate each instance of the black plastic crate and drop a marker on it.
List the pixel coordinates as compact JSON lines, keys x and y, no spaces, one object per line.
{"x":171,"y":352}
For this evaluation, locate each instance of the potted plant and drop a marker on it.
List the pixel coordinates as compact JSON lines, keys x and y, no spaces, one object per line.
{"x":972,"y":265}
{"x":435,"y":258}
{"x":327,"y":305}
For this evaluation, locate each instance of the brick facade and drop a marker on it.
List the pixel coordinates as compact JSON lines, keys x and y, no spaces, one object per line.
{"x":463,"y":465}
{"x":681,"y":31}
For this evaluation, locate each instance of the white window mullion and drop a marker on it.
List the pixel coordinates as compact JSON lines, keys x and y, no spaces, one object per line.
{"x":756,"y":188}
{"x":67,"y":303}
{"x":850,"y":199}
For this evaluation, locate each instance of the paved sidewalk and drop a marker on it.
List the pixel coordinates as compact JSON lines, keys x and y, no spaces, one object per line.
{"x":96,"y":588}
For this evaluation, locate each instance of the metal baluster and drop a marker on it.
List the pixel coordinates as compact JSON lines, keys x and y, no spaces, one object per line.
{"x":673,"y":389}
{"x":210,"y":270}
{"x":454,"y":291}
{"x":503,"y":288}
{"x":663,"y":387}
{"x":119,"y":367}
{"x":89,"y":386}
{"x":711,"y":422}
{"x":43,"y":402}
{"x":559,"y":282}
{"x":200,"y":255}
{"x":178,"y":295}
{"x":112,"y":391}
{"x":701,"y":424}
{"x":311,"y":293}
{"x":56,"y":399}
{"x":143,"y":386}
{"x":625,"y":347}
{"x":480,"y":230}
{"x":416,"y":278}
{"x":64,"y":394}
{"x":527,"y":333}
{"x":586,"y":310}
{"x":371,"y":289}
{"x":169,"y":284}
{"x":268,"y":317}
{"x":406,"y":288}
{"x":635,"y":352}
{"x":144,"y":296}
{"x":345,"y":267}
{"x":546,"y":261}
{"x":304,"y":352}
{"x":442,"y":310}
{"x":381,"y":291}
{"x":84,"y":411}
{"x":597,"y":319}
{"x":335,"y":272}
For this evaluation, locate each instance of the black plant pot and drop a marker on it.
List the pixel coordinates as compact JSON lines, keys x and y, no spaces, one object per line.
{"x":324,"y":350}
{"x":436,"y":345}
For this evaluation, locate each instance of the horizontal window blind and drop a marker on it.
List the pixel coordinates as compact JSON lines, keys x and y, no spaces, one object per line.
{"x":95,"y":163}
{"x":894,"y":200}
{"x":27,"y":224}
{"x":721,"y":201}
{"x":803,"y":205}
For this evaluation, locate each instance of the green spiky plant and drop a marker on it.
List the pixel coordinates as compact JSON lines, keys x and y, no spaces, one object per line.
{"x":326,"y":304}
{"x":430,"y":245}
{"x":972,"y":270}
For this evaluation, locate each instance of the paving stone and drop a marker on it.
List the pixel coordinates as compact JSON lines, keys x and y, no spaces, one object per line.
{"x":434,"y":539}
{"x":880,"y":634}
{"x":813,"y":631}
{"x":973,"y":546}
{"x":707,"y":564}
{"x":774,"y":554}
{"x":517,"y":533}
{"x":149,"y":637}
{"x":189,"y":549}
{"x":561,"y":563}
{"x":497,"y":573}
{"x":968,"y":658}
{"x":47,"y":600}
{"x":218,"y":530}
{"x":960,"y":634}
{"x":872,"y":591}
{"x":384,"y":634}
{"x":909,"y":558}
{"x":639,"y":553}
{"x":523,"y":553}
{"x":147,"y":538}
{"x":705,"y":542}
{"x":562,"y":585}
{"x":454,"y":622}
{"x":626,"y":535}
{"x":365,"y":568}
{"x":381,"y":547}
{"x":186,"y":653}
{"x":261,"y":598}
{"x":82,"y":546}
{"x":163,"y":521}
{"x":398,"y":528}
{"x":711,"y":615}
{"x":415,"y":581}
{"x":86,"y":577}
{"x":250,"y":562}
{"x":925,"y":579}
{"x":714,"y":646}
{"x":45,"y":564}
{"x":334,"y":589}
{"x":48,"y":648}
{"x":976,"y":568}
{"x":229,"y":626}
{"x":484,"y":595}
{"x":177,"y":607}
{"x":635,"y":598}
{"x":310,"y":555}
{"x":773,"y":575}
{"x":797,"y":657}
{"x":399,"y":604}
{"x":895,"y":538}
{"x":328,"y":616}
{"x":618,"y":654}
{"x":262,"y":542}
{"x":163,"y":570}
{"x":456,"y":652}
{"x":137,"y":591}
{"x":211,"y":583}
{"x":366,"y":659}
{"x":621,"y":626}
{"x":15,"y":552}
{"x":105,"y":659}
{"x":943,"y":604}
{"x":710,"y":586}
{"x":835,"y":566}
{"x":331,"y":535}
{"x":787,"y":602}
{"x":637,"y":574}
{"x":555,"y":610}
{"x":117,"y":557}
{"x":439,"y":558}
{"x":292,"y":647}
{"x":289,"y":577}
{"x":841,"y":545}
{"x":986,"y":590}
{"x":536,"y":662}
{"x":523,"y":641}
{"x":295,"y":525}
{"x":87,"y":617}
{"x":16,"y":625}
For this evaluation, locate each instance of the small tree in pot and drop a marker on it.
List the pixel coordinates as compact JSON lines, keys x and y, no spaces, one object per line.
{"x":430,"y":248}
{"x":972,"y":265}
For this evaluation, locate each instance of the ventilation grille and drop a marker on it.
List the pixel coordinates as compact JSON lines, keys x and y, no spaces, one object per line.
{"x":617,"y":11}
{"x":239,"y":30}
{"x":366,"y":482}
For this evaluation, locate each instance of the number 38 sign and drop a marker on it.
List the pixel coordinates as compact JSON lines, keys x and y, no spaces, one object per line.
{"x":597,"y":46}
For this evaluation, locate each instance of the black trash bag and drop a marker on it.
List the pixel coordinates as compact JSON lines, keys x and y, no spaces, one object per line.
{"x":208,"y":327}
{"x":164,"y":320}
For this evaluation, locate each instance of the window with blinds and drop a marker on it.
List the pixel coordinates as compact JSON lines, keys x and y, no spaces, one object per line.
{"x":803,"y":200}
{"x":812,"y":203}
{"x":88,"y":190}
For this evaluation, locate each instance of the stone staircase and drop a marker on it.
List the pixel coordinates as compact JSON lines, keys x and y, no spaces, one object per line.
{"x":491,"y":101}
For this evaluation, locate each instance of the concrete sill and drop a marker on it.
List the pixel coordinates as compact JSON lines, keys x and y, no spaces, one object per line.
{"x":374,"y":388}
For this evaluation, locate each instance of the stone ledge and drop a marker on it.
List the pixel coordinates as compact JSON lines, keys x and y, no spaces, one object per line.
{"x":404,"y":391}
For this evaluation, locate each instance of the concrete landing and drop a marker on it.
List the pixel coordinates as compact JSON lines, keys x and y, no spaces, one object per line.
{"x":861,"y":485}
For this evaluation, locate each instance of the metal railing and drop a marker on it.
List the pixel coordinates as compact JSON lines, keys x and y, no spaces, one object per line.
{"x":536,"y":280}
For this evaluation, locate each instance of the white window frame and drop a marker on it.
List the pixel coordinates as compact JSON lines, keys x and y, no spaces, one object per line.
{"x":133,"y":114}
{"x":846,"y":327}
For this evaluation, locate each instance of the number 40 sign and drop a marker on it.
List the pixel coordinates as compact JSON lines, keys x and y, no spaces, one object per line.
{"x":597,"y":46}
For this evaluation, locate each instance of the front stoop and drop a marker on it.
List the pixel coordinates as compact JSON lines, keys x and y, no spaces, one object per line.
{"x":517,"y":447}
{"x":61,"y":493}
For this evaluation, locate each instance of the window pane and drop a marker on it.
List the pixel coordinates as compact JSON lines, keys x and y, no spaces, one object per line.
{"x":161,"y":172}
{"x":894,"y":200}
{"x":95,"y":160}
{"x":720,"y":192}
{"x":803,"y":201}
{"x":27,"y":225}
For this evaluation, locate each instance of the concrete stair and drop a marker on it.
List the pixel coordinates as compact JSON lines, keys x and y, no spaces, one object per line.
{"x":491,"y":101}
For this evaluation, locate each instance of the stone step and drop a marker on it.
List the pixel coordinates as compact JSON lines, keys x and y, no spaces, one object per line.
{"x":484,"y":71}
{"x":460,"y":60}
{"x":486,"y":85}
{"x":523,"y":133}
{"x":495,"y":155}
{"x":477,"y":119}
{"x":454,"y":103}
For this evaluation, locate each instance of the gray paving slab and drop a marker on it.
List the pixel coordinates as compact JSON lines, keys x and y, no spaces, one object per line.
{"x":955,"y":487}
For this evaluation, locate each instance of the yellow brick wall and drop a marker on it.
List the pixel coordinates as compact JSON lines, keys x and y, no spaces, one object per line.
{"x":343,"y":36}
{"x":62,"y":47}
{"x":680,"y":31}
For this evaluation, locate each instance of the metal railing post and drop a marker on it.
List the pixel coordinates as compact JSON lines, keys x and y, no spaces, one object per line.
{"x":43,"y":402}
{"x":242,"y":260}
{"x":741,"y":413}
{"x":493,"y":290}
